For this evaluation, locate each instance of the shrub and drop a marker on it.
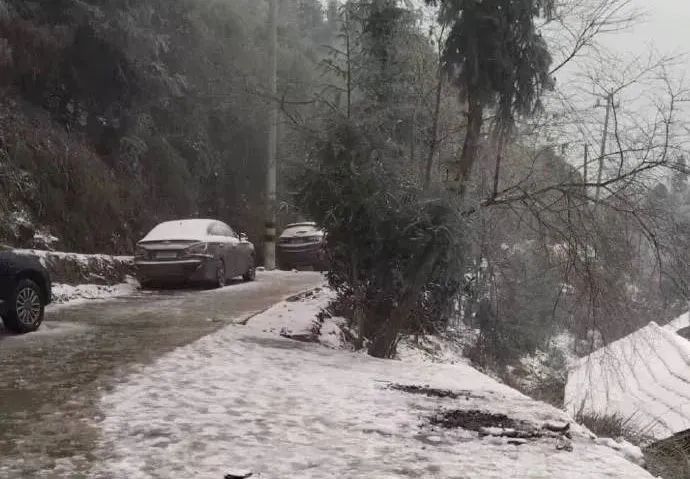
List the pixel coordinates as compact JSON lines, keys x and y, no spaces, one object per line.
{"x":391,"y":250}
{"x":670,"y":459}
{"x":608,"y":425}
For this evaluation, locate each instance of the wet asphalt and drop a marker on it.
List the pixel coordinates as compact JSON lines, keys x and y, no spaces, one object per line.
{"x":51,"y":381}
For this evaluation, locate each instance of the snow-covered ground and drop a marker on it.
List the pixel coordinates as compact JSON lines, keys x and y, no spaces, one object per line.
{"x":65,"y":294}
{"x":248,"y":399}
{"x":297,"y":318}
{"x":432,"y":349}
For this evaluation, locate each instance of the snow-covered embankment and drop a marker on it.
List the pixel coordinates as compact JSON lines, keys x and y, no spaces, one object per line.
{"x":80,"y":277}
{"x":249,"y":398}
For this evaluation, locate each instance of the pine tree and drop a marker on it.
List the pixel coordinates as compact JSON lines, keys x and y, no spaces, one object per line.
{"x":498,"y":59}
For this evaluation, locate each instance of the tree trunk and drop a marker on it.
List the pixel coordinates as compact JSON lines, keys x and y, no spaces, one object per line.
{"x":385,"y":342}
{"x":470,"y":149}
{"x":501,"y":140}
{"x":358,"y":315}
{"x":413,"y":144}
{"x":349,"y":62}
{"x":434,"y":134}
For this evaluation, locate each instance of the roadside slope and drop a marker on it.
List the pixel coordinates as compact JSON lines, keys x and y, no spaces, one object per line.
{"x":245,"y":398}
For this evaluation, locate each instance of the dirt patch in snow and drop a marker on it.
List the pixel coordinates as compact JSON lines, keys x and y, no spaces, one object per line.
{"x":500,"y":425}
{"x":311,"y":294}
{"x":472,"y":420}
{"x":309,"y":337}
{"x":433,"y":392}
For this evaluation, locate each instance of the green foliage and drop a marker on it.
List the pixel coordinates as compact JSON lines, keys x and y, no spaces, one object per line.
{"x":516,"y":301}
{"x":497,"y":53}
{"x":670,"y":458}
{"x":161,"y":105}
{"x":613,"y":426}
{"x":499,"y":60}
{"x":389,"y":249}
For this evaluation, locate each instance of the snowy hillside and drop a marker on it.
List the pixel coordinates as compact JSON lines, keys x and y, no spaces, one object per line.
{"x":246,"y":398}
{"x":644,"y":376}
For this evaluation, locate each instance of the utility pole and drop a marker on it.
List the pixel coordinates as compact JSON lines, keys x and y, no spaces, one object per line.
{"x":584,"y":172}
{"x":271,"y":167}
{"x":604,"y":138}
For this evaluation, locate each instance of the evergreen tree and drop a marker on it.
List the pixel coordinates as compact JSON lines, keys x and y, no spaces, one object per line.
{"x":498,"y":58}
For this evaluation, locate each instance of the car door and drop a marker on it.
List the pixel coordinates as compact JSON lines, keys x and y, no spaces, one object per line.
{"x":247,"y":249}
{"x":224,"y":246}
{"x":234,"y":256}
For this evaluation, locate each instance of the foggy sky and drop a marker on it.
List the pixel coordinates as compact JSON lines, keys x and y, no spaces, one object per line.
{"x":665,"y":26}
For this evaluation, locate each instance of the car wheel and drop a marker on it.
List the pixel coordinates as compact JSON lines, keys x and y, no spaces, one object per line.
{"x":26,"y":308}
{"x":221,"y":280}
{"x":250,"y":275}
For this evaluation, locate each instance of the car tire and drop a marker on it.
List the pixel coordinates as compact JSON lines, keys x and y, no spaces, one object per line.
{"x":250,"y":275}
{"x":221,"y":275}
{"x":26,"y":308}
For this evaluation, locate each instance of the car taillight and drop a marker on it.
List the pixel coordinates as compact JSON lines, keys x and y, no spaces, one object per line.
{"x":141,"y":252}
{"x":198,"y":249}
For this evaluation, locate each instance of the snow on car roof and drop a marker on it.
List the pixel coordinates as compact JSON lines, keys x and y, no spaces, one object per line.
{"x":194,"y":229}
{"x":301,"y":229}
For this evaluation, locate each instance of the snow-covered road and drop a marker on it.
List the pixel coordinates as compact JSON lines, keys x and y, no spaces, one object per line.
{"x":244,"y":398}
{"x":52,"y":381}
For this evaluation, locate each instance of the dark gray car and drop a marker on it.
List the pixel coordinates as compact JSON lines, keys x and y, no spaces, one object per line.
{"x":194,"y":251}
{"x":301,"y":245}
{"x":25,"y":290}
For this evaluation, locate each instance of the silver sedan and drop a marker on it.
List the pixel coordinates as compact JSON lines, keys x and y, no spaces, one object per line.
{"x":194,"y":251}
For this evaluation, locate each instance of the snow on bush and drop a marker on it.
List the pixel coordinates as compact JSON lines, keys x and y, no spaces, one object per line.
{"x":75,"y":269}
{"x":44,"y":240}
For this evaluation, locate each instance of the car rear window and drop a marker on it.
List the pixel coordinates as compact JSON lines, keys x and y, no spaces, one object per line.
{"x":183,"y":229}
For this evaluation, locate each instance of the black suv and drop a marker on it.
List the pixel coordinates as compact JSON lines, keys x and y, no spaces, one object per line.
{"x":25,"y":290}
